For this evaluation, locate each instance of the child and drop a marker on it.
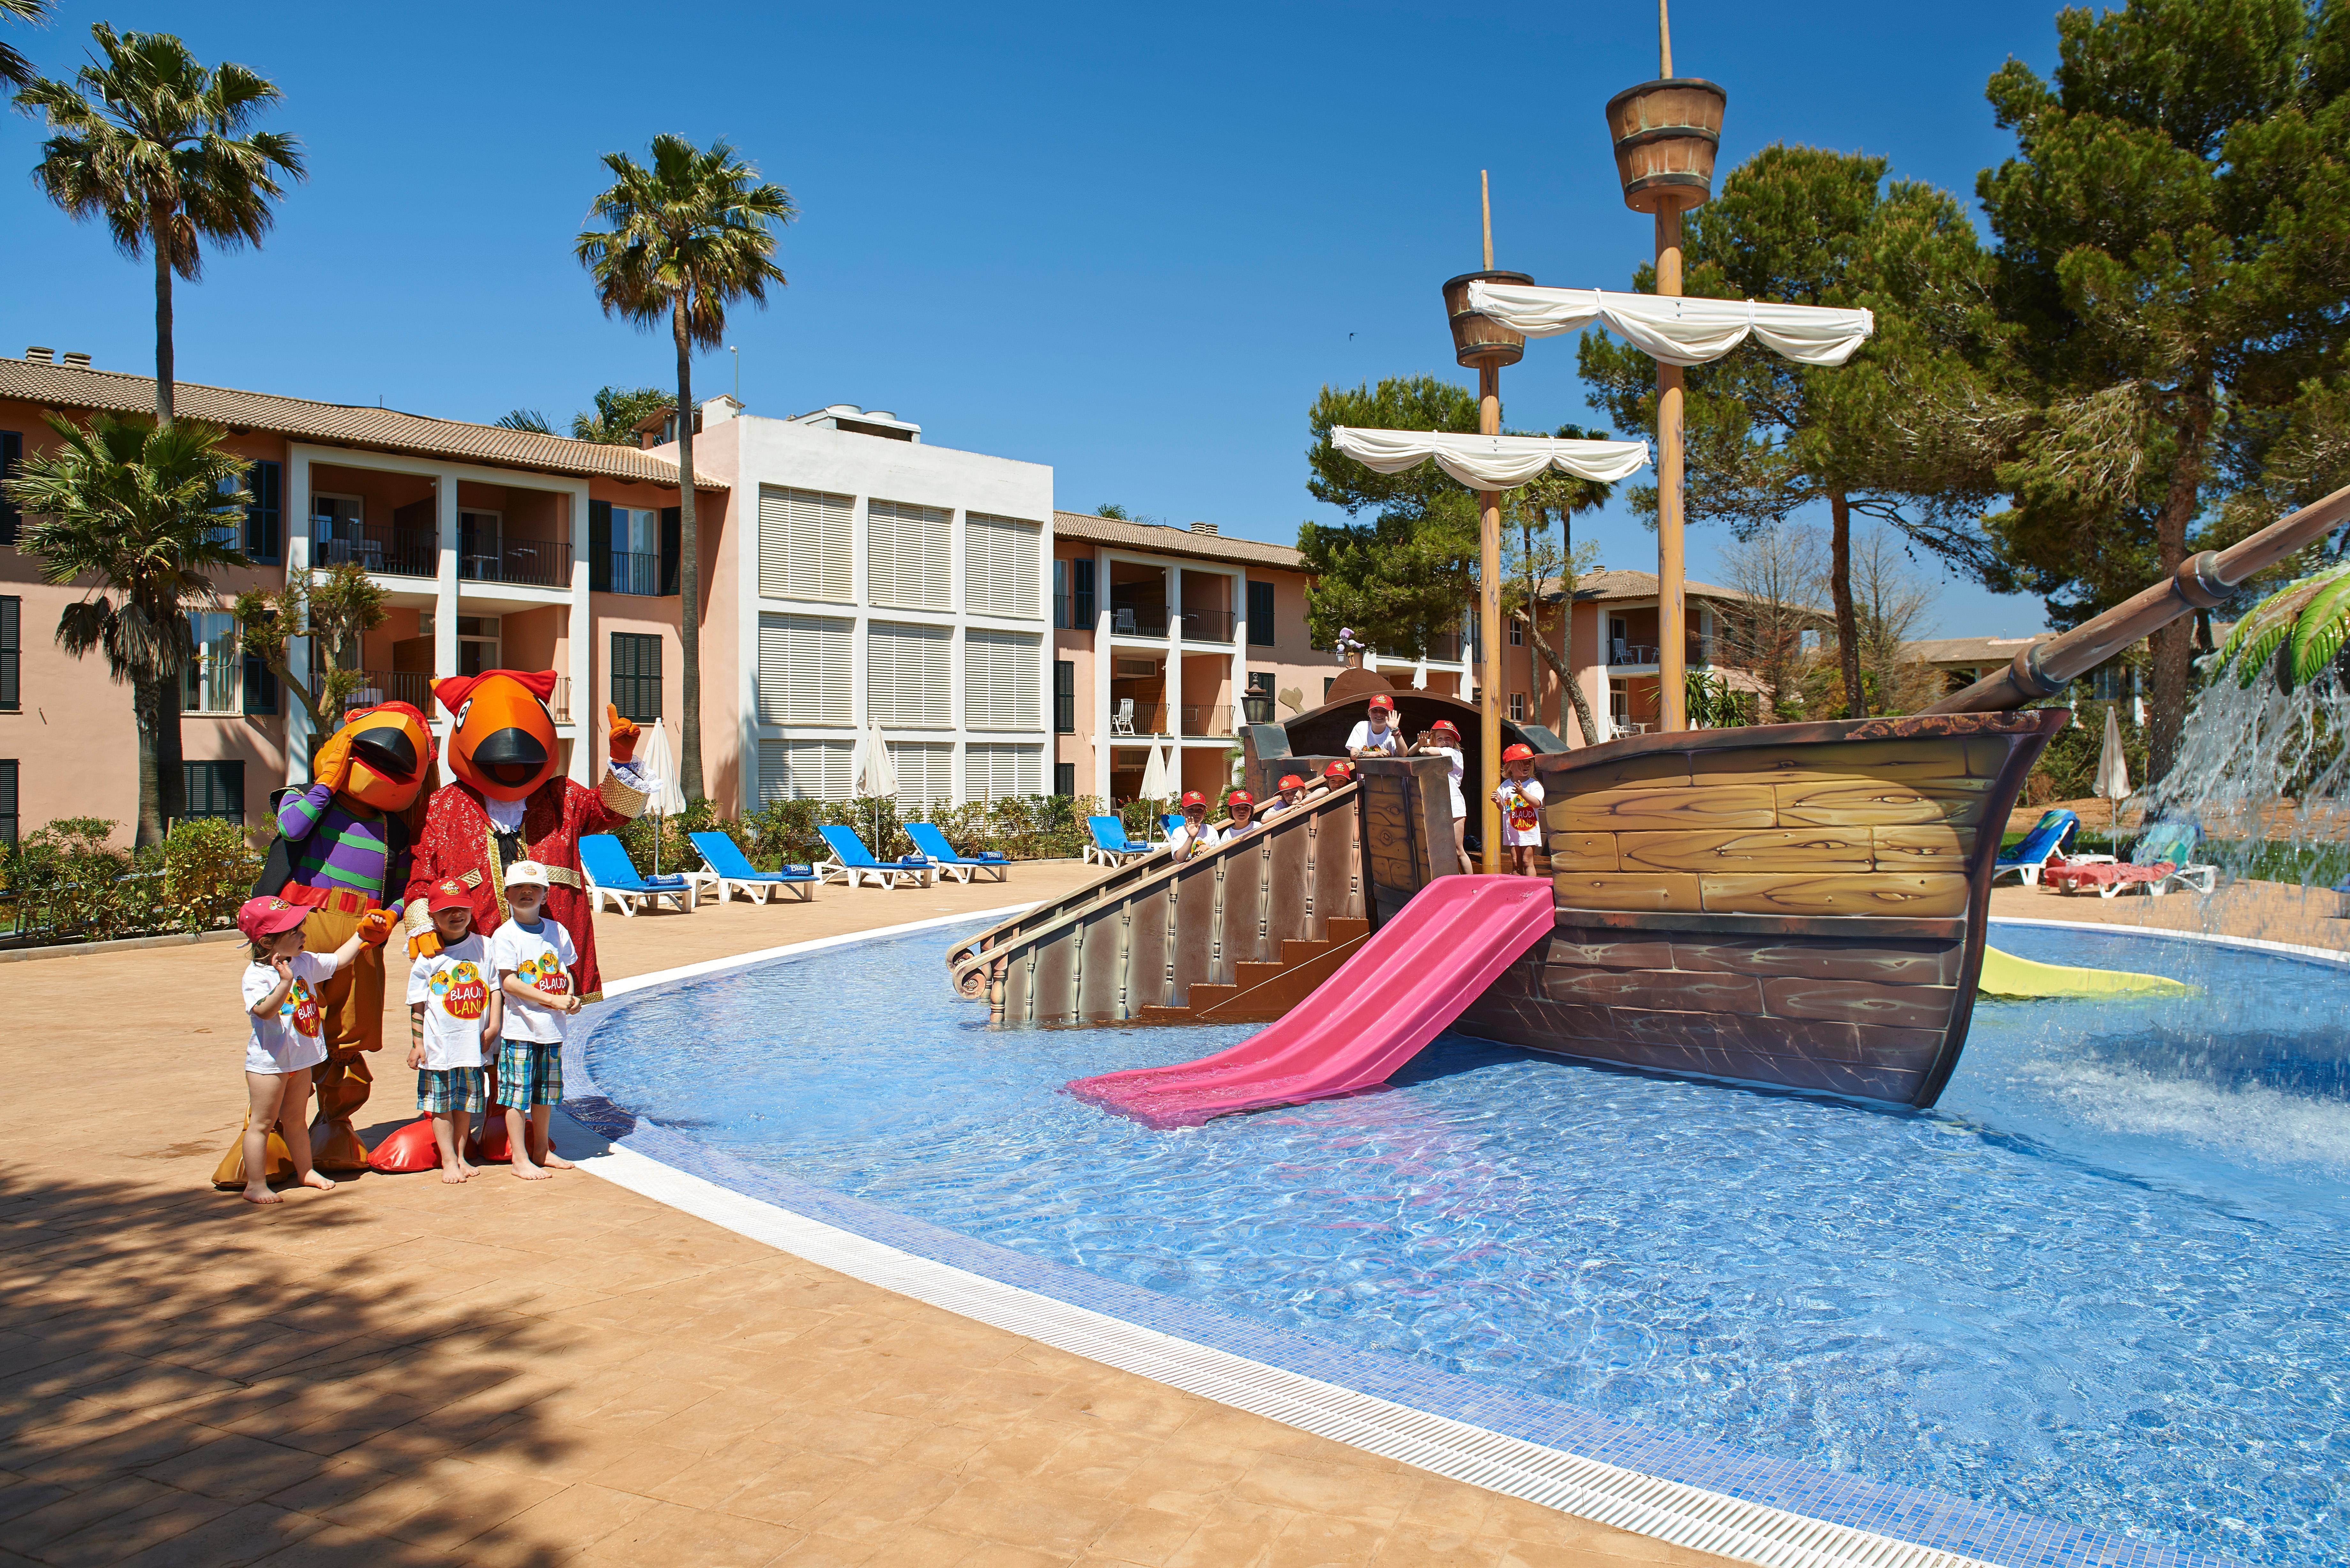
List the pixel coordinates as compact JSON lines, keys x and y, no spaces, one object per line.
{"x":1242,"y":807}
{"x":1377,"y":734}
{"x":1291,"y":793}
{"x":281,"y":1003}
{"x":453,"y":1012}
{"x":1197,"y":832}
{"x":1443,"y":740}
{"x":1520,"y":797}
{"x":533,"y":957}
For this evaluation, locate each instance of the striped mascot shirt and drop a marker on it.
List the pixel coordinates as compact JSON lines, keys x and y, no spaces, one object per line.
{"x":333,"y":847}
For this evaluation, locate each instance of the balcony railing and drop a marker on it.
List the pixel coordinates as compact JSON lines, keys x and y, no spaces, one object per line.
{"x":1137,"y":620}
{"x":1631,"y":653}
{"x":384,"y":547}
{"x":534,"y":562}
{"x":1140,"y":719}
{"x":1208,"y":719}
{"x":393,"y":686}
{"x":632,"y":572}
{"x":1208,"y":626}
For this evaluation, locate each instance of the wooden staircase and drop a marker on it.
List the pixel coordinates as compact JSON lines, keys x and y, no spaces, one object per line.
{"x":1261,"y":992}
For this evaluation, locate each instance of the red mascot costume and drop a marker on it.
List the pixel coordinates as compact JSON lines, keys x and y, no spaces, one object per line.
{"x":508,"y":801}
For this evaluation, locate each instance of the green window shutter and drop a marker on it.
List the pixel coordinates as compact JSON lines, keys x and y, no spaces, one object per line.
{"x":672,"y":547}
{"x":600,"y":545}
{"x":265,"y":513}
{"x":260,"y":687}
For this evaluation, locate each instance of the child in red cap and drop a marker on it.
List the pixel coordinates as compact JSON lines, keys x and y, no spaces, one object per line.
{"x":1520,"y":797}
{"x":281,"y":1004}
{"x":1197,"y":832}
{"x":1377,"y":735}
{"x":453,"y":1012}
{"x":1242,"y":807}
{"x":1443,"y":739}
{"x":1291,"y":793}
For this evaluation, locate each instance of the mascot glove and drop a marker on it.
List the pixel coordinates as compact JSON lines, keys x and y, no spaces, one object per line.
{"x":624,"y":735}
{"x":424,"y":944}
{"x":375,"y":926}
{"x":332,"y":765}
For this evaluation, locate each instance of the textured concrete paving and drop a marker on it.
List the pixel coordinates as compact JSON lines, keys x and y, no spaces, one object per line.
{"x":403,"y":1373}
{"x":2271,"y":911}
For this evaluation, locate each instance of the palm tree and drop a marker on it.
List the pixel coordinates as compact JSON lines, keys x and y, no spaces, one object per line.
{"x":689,"y":236}
{"x":158,"y":146}
{"x":148,"y":511}
{"x":528,"y":421}
{"x":618,"y":411}
{"x":15,"y":69}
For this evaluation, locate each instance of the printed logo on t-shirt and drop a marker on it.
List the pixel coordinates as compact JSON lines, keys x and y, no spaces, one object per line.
{"x":545,"y":973}
{"x":1525,"y":815}
{"x":461,"y":990}
{"x":300,"y":1009}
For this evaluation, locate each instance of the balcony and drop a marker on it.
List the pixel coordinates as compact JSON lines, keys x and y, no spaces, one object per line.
{"x":633,"y":572}
{"x":1138,"y":619}
{"x":1127,"y":717}
{"x":1622,"y":653}
{"x":382,"y":547}
{"x":393,"y":686}
{"x":1207,"y":718}
{"x":530,"y":563}
{"x":1208,"y":626}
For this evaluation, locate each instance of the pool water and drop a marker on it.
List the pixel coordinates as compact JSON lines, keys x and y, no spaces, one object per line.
{"x":2105,"y":1281}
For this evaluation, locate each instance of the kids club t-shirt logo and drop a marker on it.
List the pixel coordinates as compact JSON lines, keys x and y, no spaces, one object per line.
{"x":545,"y":973}
{"x":461,"y":990}
{"x":300,"y":1009}
{"x":1523,"y":814}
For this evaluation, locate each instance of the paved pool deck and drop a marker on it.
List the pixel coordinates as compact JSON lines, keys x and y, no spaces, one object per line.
{"x":401,"y":1373}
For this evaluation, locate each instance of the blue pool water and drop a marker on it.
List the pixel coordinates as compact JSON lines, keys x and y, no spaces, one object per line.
{"x":2105,"y":1281}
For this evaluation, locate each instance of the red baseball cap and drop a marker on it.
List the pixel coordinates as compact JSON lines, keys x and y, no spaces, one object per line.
{"x":1291,"y":780}
{"x":1383,"y":700}
{"x":1193,"y":797}
{"x":1519,"y":755}
{"x":268,"y":916}
{"x":1240,"y":797}
{"x":449,"y":894}
{"x":1337,"y":771}
{"x":1448,"y":727}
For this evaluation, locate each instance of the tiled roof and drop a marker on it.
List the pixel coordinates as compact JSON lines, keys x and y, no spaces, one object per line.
{"x":335,"y":424}
{"x":1604,"y":586}
{"x":1969,"y":650}
{"x":1157,"y":539}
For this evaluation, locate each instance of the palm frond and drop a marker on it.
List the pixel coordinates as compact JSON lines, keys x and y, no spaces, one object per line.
{"x":697,"y":226}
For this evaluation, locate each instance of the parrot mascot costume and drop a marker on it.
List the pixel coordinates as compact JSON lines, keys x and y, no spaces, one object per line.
{"x":343,"y":852}
{"x":509,"y":801}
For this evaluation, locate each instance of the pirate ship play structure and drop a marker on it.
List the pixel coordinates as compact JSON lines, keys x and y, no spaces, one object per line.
{"x":1801,"y":905}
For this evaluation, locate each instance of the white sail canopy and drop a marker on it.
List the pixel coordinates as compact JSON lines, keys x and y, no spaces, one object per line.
{"x":1491,"y":463}
{"x":1675,"y":330}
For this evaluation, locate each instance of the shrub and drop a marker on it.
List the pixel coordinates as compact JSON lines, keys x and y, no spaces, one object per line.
{"x":209,"y":865}
{"x":2069,"y":765}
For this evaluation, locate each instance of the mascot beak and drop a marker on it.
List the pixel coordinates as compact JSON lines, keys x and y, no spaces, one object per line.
{"x":511,"y":756}
{"x":388,"y":751}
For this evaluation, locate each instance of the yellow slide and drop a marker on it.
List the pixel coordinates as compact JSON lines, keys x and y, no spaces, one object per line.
{"x":2005,"y":975}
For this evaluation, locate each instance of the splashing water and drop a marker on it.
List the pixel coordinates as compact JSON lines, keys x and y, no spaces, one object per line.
{"x":2263,"y":768}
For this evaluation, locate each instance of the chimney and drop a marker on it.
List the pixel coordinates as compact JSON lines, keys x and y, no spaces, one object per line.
{"x":38,"y":356}
{"x":1203,"y":527}
{"x":75,"y":359}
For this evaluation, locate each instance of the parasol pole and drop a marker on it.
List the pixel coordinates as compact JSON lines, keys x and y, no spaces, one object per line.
{"x":1672,"y":600}
{"x":1489,"y":589}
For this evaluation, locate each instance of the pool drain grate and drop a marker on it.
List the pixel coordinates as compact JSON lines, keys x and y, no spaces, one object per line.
{"x":1588,"y":1488}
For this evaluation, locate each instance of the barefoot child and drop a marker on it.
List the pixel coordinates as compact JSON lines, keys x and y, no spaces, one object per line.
{"x":532,"y":957}
{"x":281,"y":1003}
{"x":452,"y":1014}
{"x":1520,"y":797}
{"x":1443,"y":739}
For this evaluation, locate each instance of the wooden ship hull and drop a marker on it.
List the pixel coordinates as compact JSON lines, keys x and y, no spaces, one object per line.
{"x":1801,"y":905}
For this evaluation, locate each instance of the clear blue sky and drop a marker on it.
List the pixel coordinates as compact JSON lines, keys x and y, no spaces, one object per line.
{"x":1131,"y":242}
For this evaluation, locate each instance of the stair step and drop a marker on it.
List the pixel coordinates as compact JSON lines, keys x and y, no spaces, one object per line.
{"x":1291,"y":985}
{"x":1154,"y":1013}
{"x":1295,"y":952}
{"x":1247,"y":975}
{"x":1346,"y":930}
{"x":1202,"y":997}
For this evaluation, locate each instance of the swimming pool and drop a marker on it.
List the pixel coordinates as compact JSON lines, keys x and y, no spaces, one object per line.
{"x":2102,"y":1281}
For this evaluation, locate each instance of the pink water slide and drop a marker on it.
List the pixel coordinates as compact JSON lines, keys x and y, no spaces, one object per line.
{"x":1411,"y":979}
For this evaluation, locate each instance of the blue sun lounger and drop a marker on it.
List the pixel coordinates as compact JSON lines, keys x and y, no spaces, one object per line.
{"x":853,"y":864}
{"x":1110,"y":844}
{"x":2031,"y":854}
{"x":947,"y":861}
{"x":730,"y":869}
{"x":611,"y":875}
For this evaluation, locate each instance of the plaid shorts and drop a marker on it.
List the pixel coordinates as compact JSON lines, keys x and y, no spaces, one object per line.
{"x":450,"y":1089}
{"x":530,"y":1072}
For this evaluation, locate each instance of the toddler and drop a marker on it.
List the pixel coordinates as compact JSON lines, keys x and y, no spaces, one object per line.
{"x":1520,"y":797}
{"x":1441,"y":739}
{"x":452,"y":1014}
{"x":281,"y":1003}
{"x":533,"y":957}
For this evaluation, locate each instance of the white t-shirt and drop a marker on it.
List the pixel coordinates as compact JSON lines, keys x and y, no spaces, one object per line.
{"x":1179,"y":842}
{"x":541,"y":959}
{"x":454,"y":986}
{"x":1390,"y":740}
{"x":1520,"y":801}
{"x":1452,"y":779}
{"x":291,"y":1038}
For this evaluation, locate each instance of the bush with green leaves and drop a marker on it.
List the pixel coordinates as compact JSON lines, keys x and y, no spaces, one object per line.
{"x":70,"y":883}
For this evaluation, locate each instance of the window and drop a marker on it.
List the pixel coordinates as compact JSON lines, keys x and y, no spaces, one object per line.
{"x":1060,"y":593}
{"x":1065,"y":778}
{"x":805,"y":770}
{"x":214,"y":790}
{"x":1000,"y":682}
{"x":1065,"y":697}
{"x":803,"y":670}
{"x":1081,"y":594}
{"x":1517,"y":707}
{"x":265,"y":514}
{"x":8,"y":802}
{"x":12,"y":452}
{"x":906,"y":679}
{"x":998,"y":773}
{"x":12,"y":620}
{"x":804,"y":544}
{"x":998,"y":568}
{"x":925,"y":773}
{"x":637,"y":674}
{"x":1517,"y":633}
{"x":1260,"y":615}
{"x":211,"y":683}
{"x":625,"y":550}
{"x":906,"y":554}
{"x":260,"y":687}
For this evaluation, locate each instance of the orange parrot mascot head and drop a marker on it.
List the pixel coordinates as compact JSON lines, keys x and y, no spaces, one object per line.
{"x":501,"y":734}
{"x":392,"y":751}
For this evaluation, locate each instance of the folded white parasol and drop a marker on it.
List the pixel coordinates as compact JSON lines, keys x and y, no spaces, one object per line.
{"x":1490,"y":463}
{"x":1677,"y":331}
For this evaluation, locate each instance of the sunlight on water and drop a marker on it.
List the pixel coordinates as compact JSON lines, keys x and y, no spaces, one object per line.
{"x":2104,"y":1281}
